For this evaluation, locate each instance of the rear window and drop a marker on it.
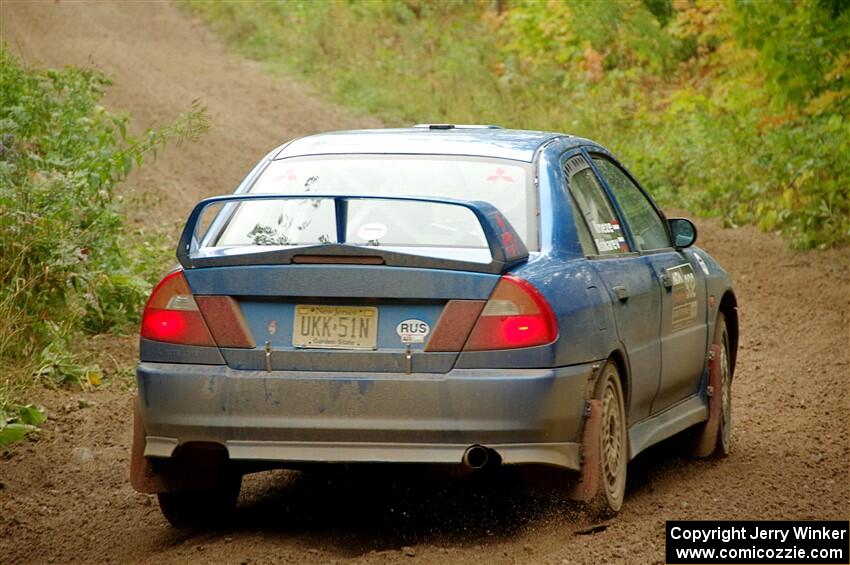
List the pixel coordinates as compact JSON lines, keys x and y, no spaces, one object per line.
{"x":504,"y":184}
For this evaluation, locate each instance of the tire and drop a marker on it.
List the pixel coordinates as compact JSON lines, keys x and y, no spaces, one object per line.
{"x":724,"y":434}
{"x":613,"y":445}
{"x":205,"y":508}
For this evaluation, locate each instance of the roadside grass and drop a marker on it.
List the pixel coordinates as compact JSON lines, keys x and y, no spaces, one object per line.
{"x":70,"y":268}
{"x":729,"y":109}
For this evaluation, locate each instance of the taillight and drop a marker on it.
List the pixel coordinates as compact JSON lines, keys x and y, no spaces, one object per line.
{"x":171,"y":314}
{"x":516,"y":315}
{"x":174,"y":315}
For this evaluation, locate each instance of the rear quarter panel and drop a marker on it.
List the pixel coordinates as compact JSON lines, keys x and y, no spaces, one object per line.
{"x":565,"y":279}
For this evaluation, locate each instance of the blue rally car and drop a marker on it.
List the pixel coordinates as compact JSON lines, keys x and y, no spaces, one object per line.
{"x":463,"y":295}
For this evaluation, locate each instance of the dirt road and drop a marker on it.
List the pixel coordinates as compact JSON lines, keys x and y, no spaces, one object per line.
{"x":66,"y":498}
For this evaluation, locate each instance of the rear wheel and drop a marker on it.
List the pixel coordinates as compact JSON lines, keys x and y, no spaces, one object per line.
{"x":196,"y":508}
{"x":613,"y":444}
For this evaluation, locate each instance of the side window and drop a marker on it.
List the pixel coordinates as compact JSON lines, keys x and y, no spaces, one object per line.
{"x":648,"y":228}
{"x":595,"y":210}
{"x":584,"y":238}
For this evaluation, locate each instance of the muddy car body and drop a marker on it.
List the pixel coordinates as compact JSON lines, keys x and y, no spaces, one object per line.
{"x":438,"y":294}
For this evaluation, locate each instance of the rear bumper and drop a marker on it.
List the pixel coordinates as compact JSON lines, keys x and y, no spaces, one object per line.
{"x":525,"y":415}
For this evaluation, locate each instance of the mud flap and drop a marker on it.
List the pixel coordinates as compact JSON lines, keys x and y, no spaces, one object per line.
{"x":588,"y":482}
{"x":706,"y":442}
{"x":143,"y":476}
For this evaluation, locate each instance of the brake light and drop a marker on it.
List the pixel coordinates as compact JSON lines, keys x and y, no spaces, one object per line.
{"x":516,"y":315}
{"x":174,"y":315}
{"x":171,"y":314}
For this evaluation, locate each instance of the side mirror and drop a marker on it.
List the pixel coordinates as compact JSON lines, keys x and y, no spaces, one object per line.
{"x":684,"y":232}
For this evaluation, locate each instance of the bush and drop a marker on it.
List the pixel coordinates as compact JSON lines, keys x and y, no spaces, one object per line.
{"x":735,"y":109}
{"x":65,"y":263}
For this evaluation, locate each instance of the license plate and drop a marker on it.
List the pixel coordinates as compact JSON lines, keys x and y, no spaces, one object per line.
{"x":335,"y":327}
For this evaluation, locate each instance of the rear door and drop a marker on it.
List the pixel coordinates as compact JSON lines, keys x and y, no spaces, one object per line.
{"x":683,"y":330}
{"x":633,"y":290}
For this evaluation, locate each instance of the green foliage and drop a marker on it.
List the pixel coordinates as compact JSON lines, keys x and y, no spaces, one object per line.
{"x":739,"y":109}
{"x":799,"y":44}
{"x":66,"y":263}
{"x":18,"y":421}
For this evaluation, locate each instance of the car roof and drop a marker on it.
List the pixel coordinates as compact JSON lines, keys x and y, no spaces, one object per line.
{"x":481,"y":141}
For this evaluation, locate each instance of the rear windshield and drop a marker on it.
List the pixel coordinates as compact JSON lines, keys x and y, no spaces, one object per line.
{"x":504,"y":184}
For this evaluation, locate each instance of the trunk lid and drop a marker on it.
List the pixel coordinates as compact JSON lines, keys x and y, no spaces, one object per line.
{"x":269,"y":296}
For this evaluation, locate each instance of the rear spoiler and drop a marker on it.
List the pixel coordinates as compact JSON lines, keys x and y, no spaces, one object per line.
{"x":506,"y":247}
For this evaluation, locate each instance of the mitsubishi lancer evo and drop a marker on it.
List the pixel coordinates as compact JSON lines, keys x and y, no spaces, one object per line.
{"x":462,"y":295}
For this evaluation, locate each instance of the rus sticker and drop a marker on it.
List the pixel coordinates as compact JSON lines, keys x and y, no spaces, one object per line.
{"x":412,"y":330}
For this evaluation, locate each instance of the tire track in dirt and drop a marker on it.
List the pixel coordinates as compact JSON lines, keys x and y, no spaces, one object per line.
{"x":66,"y":498}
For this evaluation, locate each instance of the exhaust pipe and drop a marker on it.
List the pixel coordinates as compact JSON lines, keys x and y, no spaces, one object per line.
{"x":476,"y":456}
